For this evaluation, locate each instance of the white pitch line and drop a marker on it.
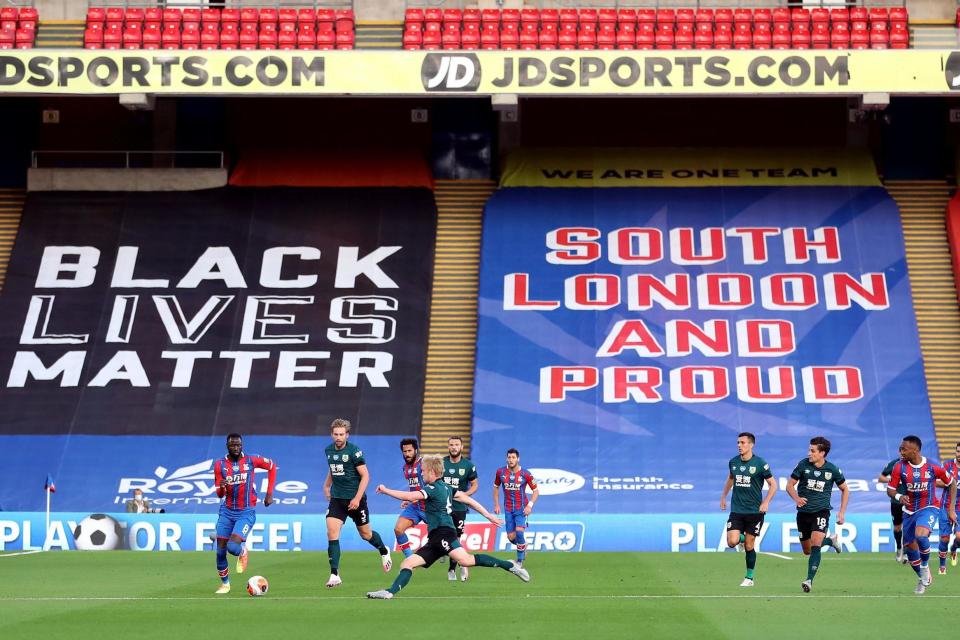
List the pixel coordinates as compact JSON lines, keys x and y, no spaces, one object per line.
{"x":776,"y":555}
{"x":19,"y":553}
{"x":504,"y":597}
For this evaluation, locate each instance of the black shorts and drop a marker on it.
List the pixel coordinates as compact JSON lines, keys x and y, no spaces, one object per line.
{"x":749,"y":523}
{"x":459,"y":519}
{"x":338,"y":509}
{"x":810,"y":521}
{"x":896,"y":510}
{"x":440,"y":542}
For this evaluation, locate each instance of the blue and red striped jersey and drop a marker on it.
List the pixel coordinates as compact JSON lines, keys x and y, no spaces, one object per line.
{"x":514,"y":487}
{"x":950,"y":467}
{"x":413,"y":474}
{"x":241,"y":492}
{"x":921,"y":483}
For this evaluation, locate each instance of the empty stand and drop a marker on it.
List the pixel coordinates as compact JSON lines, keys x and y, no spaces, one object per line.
{"x":214,"y":28}
{"x":18,"y":27}
{"x":628,"y":28}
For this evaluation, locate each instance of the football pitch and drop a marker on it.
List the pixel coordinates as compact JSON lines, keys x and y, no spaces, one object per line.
{"x":120,"y":594}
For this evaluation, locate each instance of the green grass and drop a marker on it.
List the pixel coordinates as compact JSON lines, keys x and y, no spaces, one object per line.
{"x":126,"y":594}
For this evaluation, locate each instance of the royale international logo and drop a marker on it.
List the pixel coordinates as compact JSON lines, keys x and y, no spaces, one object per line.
{"x":554,"y":481}
{"x":193,"y":484}
{"x":446,"y":72}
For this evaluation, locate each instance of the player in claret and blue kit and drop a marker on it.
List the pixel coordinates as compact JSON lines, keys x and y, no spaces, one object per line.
{"x":410,"y":512}
{"x":920,"y":505}
{"x":946,"y":527}
{"x":516,"y":506}
{"x":234,"y":476}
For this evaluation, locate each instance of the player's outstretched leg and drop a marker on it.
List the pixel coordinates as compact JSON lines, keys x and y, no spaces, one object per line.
{"x":944,"y":546}
{"x":386,"y":561}
{"x":333,"y":555}
{"x":924,"y":543}
{"x":751,"y":562}
{"x":223,"y":570}
{"x":832,"y":541}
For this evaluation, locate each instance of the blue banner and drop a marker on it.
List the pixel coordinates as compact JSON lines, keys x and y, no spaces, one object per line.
{"x":691,"y":532}
{"x":628,"y":335}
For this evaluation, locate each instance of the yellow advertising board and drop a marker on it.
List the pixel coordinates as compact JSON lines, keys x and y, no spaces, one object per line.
{"x":688,"y":168}
{"x":404,"y":73}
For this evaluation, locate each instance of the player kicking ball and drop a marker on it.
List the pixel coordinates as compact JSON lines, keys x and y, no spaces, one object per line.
{"x":809,"y":487}
{"x":442,"y":538}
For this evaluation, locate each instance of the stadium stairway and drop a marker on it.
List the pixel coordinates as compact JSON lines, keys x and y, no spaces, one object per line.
{"x":451,"y":350}
{"x":11,"y":208}
{"x":934,"y":34}
{"x":922,"y":206}
{"x":379,"y":35}
{"x":60,"y":34}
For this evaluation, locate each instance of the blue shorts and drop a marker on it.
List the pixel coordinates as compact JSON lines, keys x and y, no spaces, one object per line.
{"x":926,"y":517}
{"x":237,"y":522}
{"x":413,"y":512}
{"x":946,"y":527}
{"x":514,"y":520}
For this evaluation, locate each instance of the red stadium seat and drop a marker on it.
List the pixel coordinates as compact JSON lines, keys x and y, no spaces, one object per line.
{"x":452,"y":16}
{"x":308,"y":40}
{"x":781,"y":35}
{"x":470,"y":39}
{"x":471,"y":16}
{"x":665,"y":35}
{"x":800,"y":15}
{"x":567,"y":16}
{"x":781,"y":15}
{"x":762,"y":39}
{"x":327,"y":40}
{"x":607,"y":16}
{"x":587,"y":40}
{"x":29,"y":13}
{"x":839,"y":14}
{"x":344,"y":19}
{"x":588,"y":16}
{"x":94,"y":14}
{"x":723,"y":40}
{"x":490,"y":16}
{"x":723,"y":15}
{"x":686,"y":16}
{"x":705,"y":15}
{"x":899,"y":16}
{"x":666,"y":16}
{"x":172,"y":16}
{"x":820,"y":15}
{"x":412,"y":14}
{"x":899,"y":38}
{"x":743,"y":15}
{"x":859,"y":39}
{"x":878,"y":14}
{"x":762,"y":14}
{"x":859,"y":14}
{"x":820,"y":38}
{"x":510,"y":16}
{"x":451,"y":37}
{"x":530,"y":15}
{"x":411,"y":39}
{"x":703,"y":38}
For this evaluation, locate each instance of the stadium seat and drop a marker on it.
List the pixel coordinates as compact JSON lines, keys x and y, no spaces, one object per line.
{"x":94,"y":14}
{"x":490,"y":17}
{"x":344,"y":19}
{"x":645,"y":16}
{"x":742,"y":15}
{"x":152,"y":15}
{"x":859,"y":14}
{"x":839,"y":14}
{"x":878,"y":14}
{"x":781,"y":36}
{"x":172,"y":16}
{"x":723,"y":15}
{"x":859,"y":38}
{"x":703,"y":37}
{"x":899,"y":37}
{"x":607,"y":15}
{"x":549,"y":17}
{"x":567,"y":16}
{"x":800,"y":15}
{"x":705,"y":15}
{"x":665,"y":35}
{"x":820,"y":37}
{"x":666,"y":16}
{"x":780,"y":15}
{"x":470,"y":39}
{"x":132,"y":37}
{"x":820,"y":15}
{"x":412,"y":14}
{"x":742,"y":36}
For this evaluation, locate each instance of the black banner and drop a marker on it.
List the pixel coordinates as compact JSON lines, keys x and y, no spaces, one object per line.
{"x":267,"y":311}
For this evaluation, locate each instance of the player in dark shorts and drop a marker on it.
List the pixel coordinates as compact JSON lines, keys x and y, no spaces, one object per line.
{"x":896,"y":512}
{"x":345,"y":488}
{"x":810,"y":486}
{"x":442,"y":538}
{"x":747,"y":474}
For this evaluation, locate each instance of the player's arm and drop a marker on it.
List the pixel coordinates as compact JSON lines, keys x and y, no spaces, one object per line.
{"x":726,"y":489}
{"x":464,"y":498}
{"x":364,"y":474}
{"x":844,"y":498}
{"x":472,"y":487}
{"x":883,"y":477}
{"x":892,"y":487}
{"x":408,"y":496}
{"x":771,"y":491}
{"x":219,"y":480}
{"x":327,"y":484}
{"x":266,"y":463}
{"x":951,"y":482}
{"x":533,"y":498}
{"x":792,"y":492}
{"x":496,"y":494}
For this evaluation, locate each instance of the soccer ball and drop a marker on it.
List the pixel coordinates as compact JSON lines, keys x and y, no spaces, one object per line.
{"x":257,"y":586}
{"x":97,"y":532}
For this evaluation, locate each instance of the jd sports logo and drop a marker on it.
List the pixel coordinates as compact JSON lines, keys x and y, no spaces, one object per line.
{"x":442,"y":72}
{"x":952,"y":71}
